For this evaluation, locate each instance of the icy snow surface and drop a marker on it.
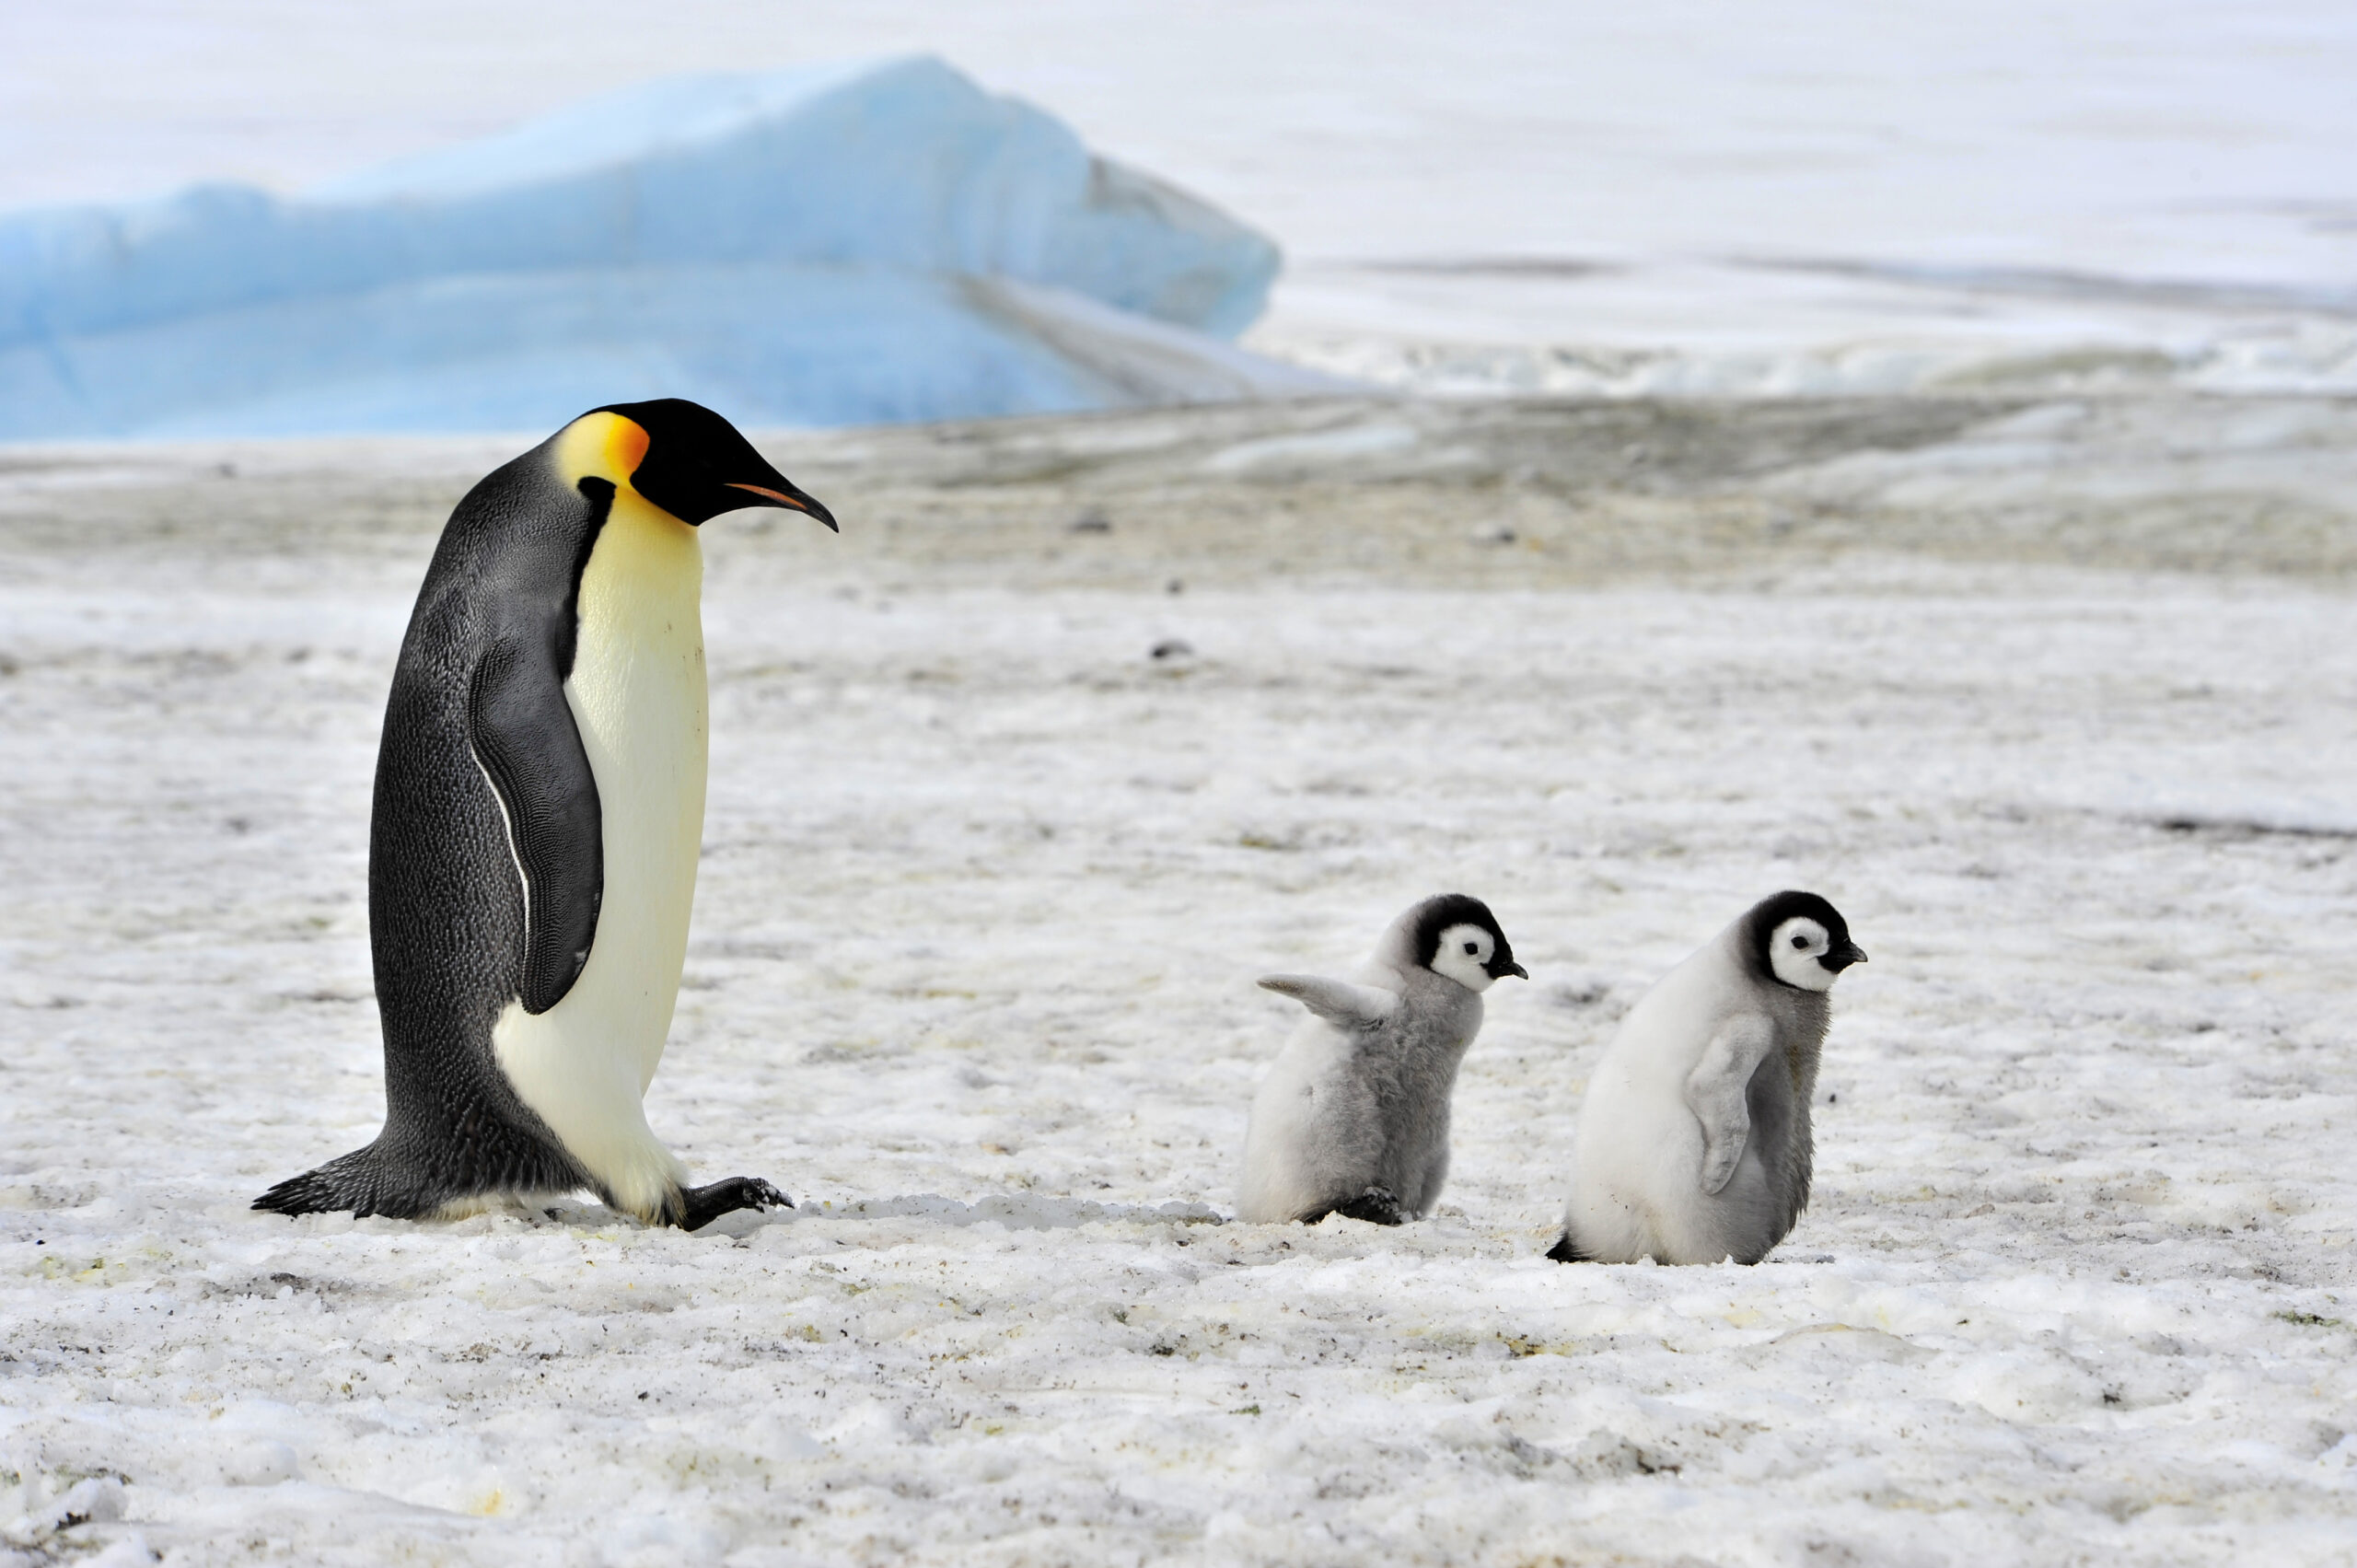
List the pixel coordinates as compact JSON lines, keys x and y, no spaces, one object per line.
{"x":986,"y":885}
{"x":817,"y":246}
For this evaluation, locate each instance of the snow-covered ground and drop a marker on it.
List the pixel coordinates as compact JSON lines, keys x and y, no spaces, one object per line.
{"x":985,"y":888}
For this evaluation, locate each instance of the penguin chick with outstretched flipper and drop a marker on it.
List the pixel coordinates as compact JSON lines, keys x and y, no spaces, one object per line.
{"x":1353,"y":1118}
{"x":1694,"y":1143}
{"x":538,"y":812}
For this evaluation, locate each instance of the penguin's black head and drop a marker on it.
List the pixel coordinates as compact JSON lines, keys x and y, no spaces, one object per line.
{"x":697,"y":466}
{"x":1800,"y":940}
{"x":1458,"y":936}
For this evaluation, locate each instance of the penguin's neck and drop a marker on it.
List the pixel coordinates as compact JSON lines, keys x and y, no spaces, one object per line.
{"x":1447,"y":1016}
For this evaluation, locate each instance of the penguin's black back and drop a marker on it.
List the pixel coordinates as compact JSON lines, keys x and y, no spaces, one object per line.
{"x":478,"y":694}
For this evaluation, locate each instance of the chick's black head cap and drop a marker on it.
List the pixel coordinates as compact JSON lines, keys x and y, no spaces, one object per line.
{"x":1459,"y":908}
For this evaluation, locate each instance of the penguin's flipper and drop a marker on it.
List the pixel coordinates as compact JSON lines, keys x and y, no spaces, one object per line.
{"x":1717,"y":1090}
{"x":1339,"y":1002}
{"x":530,"y":751}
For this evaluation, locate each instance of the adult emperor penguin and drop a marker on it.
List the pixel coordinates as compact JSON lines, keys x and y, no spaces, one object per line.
{"x":1353,"y":1118}
{"x":539,"y":811}
{"x":1694,"y":1142}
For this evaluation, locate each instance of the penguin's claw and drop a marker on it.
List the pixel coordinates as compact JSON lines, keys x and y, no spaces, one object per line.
{"x":699,"y":1206}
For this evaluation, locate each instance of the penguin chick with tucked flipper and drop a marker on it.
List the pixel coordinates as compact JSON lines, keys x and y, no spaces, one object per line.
{"x":538,"y":812}
{"x":1353,"y":1118}
{"x":1694,"y":1142}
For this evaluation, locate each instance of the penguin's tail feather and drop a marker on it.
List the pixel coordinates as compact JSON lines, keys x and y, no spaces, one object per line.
{"x":354,"y":1182}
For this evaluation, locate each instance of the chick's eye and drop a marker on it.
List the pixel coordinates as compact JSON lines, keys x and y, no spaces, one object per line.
{"x":1800,"y":941}
{"x":1472,"y":946}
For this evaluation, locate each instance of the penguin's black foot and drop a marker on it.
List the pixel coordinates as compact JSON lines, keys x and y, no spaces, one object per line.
{"x":1376,"y":1205}
{"x":1564,"y":1252}
{"x":699,"y":1206}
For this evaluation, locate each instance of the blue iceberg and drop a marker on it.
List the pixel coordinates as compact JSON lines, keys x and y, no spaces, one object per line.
{"x":862,"y":243}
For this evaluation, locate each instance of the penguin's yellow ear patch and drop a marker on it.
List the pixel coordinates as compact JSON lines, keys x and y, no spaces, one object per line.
{"x":601,"y":444}
{"x":626,"y":444}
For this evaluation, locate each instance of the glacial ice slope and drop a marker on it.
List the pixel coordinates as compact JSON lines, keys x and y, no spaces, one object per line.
{"x":844,"y":244}
{"x":985,"y":889}
{"x":1840,"y":195}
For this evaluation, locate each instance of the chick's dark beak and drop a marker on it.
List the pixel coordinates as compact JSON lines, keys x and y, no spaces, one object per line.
{"x":1498,"y":969}
{"x":1841,"y":958}
{"x":786,"y":493}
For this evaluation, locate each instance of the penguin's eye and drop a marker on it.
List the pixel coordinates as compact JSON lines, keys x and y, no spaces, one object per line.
{"x":1472,"y":946}
{"x":1800,"y":941}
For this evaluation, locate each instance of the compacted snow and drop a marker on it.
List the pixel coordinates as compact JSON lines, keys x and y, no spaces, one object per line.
{"x":985,"y":886}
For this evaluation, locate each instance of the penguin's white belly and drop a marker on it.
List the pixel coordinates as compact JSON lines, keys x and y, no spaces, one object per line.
{"x":1638,"y":1165}
{"x":637,"y":696}
{"x":1637,"y":1188}
{"x":1299,"y":1135}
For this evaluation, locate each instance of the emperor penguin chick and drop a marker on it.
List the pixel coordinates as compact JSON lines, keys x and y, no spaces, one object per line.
{"x":1353,"y":1118}
{"x":1694,"y":1140}
{"x":538,"y":816}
